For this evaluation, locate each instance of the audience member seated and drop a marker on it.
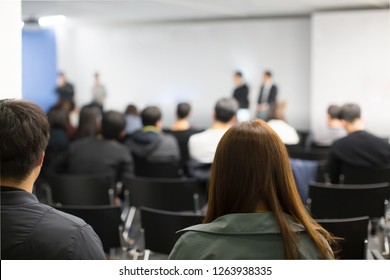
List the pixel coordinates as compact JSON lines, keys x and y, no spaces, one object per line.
{"x":335,"y":130}
{"x":69,"y":108}
{"x":101,"y":154}
{"x":89,"y":122}
{"x":202,"y":145}
{"x":58,"y":141}
{"x":30,"y":230}
{"x":149,"y":143}
{"x":254,"y":209}
{"x":277,"y":121}
{"x":182,"y":130}
{"x":359,"y":147}
{"x":133,"y":120}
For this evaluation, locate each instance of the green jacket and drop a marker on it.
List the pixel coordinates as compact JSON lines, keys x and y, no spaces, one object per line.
{"x":239,"y":236}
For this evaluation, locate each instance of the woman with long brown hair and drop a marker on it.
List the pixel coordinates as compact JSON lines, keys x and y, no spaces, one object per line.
{"x":254,"y":209}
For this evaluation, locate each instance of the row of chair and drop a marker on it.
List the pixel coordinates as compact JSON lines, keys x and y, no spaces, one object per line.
{"x":92,"y":198}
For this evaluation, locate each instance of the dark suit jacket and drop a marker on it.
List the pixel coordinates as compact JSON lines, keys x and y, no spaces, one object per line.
{"x":271,"y":96}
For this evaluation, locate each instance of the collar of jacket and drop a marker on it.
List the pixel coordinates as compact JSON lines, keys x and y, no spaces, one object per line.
{"x":244,"y":223}
{"x":16,"y":197}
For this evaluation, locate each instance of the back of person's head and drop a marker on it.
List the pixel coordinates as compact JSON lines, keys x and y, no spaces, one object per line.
{"x":150,"y":116}
{"x":334,"y":111}
{"x":225,"y":109}
{"x":276,"y":111}
{"x":238,"y":74}
{"x":113,"y":125}
{"x":268,"y":73}
{"x":58,"y":118}
{"x":350,"y":112}
{"x":251,"y":172}
{"x":183,"y":110}
{"x":131,"y":109}
{"x":24,"y":134}
{"x":89,"y":122}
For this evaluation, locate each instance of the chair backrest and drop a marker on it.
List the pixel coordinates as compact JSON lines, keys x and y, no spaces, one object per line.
{"x":157,"y":169}
{"x":164,"y":194}
{"x":160,"y":228}
{"x":354,"y":232}
{"x":334,"y":201}
{"x":364,"y":175}
{"x":81,"y":189}
{"x":104,"y":219}
{"x":311,"y":154}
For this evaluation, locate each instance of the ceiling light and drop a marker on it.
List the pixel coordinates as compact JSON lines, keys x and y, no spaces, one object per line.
{"x":51,"y":20}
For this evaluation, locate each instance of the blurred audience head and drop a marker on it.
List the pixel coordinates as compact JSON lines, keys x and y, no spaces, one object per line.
{"x":131,"y":109}
{"x":58,"y":118}
{"x":113,"y":125}
{"x":183,"y":110}
{"x":89,"y":122}
{"x":225,"y":110}
{"x":151,"y":116}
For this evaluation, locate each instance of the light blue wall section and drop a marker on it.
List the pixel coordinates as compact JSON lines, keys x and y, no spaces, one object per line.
{"x":39,"y":67}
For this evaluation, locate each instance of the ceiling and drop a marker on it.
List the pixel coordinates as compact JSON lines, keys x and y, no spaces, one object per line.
{"x":144,"y":11}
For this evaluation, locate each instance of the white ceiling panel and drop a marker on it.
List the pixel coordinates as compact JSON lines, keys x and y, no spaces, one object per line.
{"x":174,"y":10}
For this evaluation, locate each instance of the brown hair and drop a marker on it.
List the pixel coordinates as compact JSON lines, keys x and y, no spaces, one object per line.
{"x":251,"y":169}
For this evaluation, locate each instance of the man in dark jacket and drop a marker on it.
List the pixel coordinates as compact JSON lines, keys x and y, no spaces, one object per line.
{"x":359,"y":147}
{"x":29,"y":229}
{"x":149,"y":143}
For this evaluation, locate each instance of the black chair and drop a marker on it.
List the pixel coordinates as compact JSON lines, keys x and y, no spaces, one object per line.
{"x":333,"y":201}
{"x":184,"y":194}
{"x":84,"y":190}
{"x":157,"y":169}
{"x":181,"y":194}
{"x":105,"y":220}
{"x":308,"y":154}
{"x":160,"y":228}
{"x":354,"y":234}
{"x":364,"y":175}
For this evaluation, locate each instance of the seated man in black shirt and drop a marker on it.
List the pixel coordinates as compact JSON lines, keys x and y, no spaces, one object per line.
{"x":359,"y":147}
{"x":29,"y":229}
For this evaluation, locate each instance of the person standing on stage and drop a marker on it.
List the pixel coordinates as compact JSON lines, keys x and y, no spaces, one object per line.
{"x":267,"y":97}
{"x":241,"y":93}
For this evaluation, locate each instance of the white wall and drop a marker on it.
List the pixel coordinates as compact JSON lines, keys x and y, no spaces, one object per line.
{"x":10,"y":49}
{"x":165,"y":64}
{"x":351,"y":63}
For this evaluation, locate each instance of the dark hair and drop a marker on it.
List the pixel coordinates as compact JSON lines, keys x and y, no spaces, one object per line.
{"x":268,"y":73}
{"x":334,"y":111}
{"x":251,"y":168}
{"x":225,"y":109}
{"x":150,"y":115}
{"x":238,"y":74}
{"x":349,"y":112}
{"x":24,"y":134}
{"x":113,"y":123}
{"x":131,"y":109}
{"x":58,"y":118}
{"x":89,"y":122}
{"x":183,"y":110}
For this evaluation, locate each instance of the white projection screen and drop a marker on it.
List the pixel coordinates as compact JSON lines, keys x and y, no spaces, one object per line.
{"x":350,"y":62}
